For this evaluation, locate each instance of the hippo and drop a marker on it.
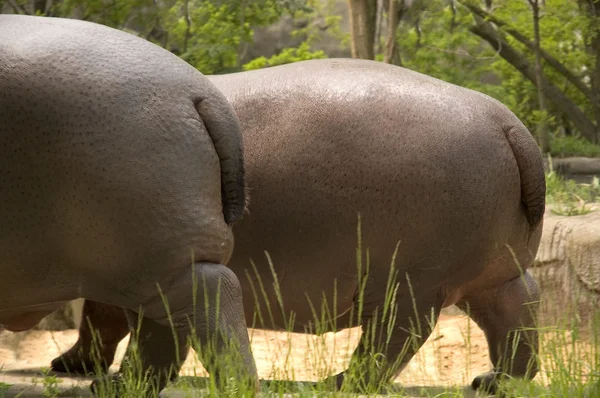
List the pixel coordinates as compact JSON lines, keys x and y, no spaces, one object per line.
{"x":445,"y":181}
{"x":122,"y":173}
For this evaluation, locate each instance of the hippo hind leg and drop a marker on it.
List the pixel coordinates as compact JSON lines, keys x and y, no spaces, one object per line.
{"x":210,"y":313}
{"x":390,"y":337}
{"x":102,"y":327}
{"x":507,"y":315}
{"x":152,"y":347}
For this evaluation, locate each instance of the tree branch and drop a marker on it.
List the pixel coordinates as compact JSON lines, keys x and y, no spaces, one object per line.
{"x":543,"y":134}
{"x":17,"y":7}
{"x":556,"y":64}
{"x":486,"y":31}
{"x":453,"y":20}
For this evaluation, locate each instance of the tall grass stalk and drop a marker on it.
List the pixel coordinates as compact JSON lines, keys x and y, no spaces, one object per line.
{"x":569,"y":356}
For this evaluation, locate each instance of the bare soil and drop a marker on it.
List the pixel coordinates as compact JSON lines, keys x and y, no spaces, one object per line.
{"x":452,"y":356}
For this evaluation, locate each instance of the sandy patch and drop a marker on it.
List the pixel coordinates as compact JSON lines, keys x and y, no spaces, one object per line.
{"x":455,"y":352}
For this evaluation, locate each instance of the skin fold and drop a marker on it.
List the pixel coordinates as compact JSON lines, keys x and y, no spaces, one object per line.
{"x":446,"y":179}
{"x":121,"y":176}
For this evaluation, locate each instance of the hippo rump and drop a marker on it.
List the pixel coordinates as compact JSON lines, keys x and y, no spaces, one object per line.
{"x":121,"y":174}
{"x":448,"y":183}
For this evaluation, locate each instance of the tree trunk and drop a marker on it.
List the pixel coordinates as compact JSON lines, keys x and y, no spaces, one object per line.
{"x":188,"y":25}
{"x":242,"y":45}
{"x":379,"y":25}
{"x":363,"y":15}
{"x":542,"y":130}
{"x":395,"y":10}
{"x":17,"y":9}
{"x":156,"y":31}
{"x":39,"y":6}
{"x":487,"y":32}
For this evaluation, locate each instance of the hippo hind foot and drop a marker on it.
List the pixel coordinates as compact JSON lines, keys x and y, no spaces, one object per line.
{"x":160,"y":342}
{"x":152,"y":348}
{"x":78,"y":361}
{"x":507,"y":315}
{"x":386,"y":346}
{"x":487,"y":382}
{"x":102,"y":327}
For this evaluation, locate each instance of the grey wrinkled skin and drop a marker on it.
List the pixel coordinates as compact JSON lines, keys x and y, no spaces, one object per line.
{"x":121,"y":169}
{"x":447,"y":174}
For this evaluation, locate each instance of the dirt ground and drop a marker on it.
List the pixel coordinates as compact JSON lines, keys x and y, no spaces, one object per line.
{"x":453,"y":355}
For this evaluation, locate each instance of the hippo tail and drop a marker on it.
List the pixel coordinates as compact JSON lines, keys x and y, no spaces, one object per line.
{"x":224,"y":129}
{"x":531,"y":172}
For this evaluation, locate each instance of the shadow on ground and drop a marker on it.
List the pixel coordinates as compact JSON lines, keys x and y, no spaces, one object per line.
{"x":32,"y":383}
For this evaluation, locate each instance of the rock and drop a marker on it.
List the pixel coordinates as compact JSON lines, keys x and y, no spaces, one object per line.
{"x":580,"y":169}
{"x":568,"y":266}
{"x":577,"y":165}
{"x":67,"y":317}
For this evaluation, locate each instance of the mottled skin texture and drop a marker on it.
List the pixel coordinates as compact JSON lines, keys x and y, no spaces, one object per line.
{"x":120,"y":165}
{"x":449,"y":175}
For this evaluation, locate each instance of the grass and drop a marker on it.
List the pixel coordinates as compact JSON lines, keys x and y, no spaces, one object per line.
{"x":571,"y":366}
{"x":4,"y":388}
{"x":569,"y":354}
{"x":50,"y":383}
{"x":568,"y":197}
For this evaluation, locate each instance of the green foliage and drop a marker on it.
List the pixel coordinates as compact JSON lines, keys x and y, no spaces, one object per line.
{"x":210,"y":39}
{"x":3,"y":388}
{"x":286,"y":56}
{"x":50,"y":383}
{"x":209,"y":34}
{"x":312,"y":19}
{"x":319,"y":20}
{"x":569,"y":145}
{"x":213,"y":36}
{"x":563,"y":31}
{"x":116,"y":14}
{"x":442,"y":46}
{"x":438,"y":42}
